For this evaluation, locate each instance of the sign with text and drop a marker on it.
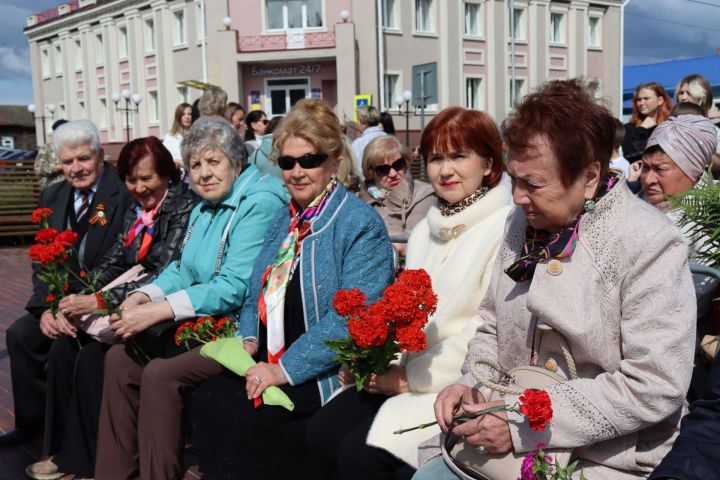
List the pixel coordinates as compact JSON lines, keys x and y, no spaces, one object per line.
{"x":284,"y":70}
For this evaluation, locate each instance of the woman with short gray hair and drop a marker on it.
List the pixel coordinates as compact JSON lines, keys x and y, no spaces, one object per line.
{"x":225,"y":234}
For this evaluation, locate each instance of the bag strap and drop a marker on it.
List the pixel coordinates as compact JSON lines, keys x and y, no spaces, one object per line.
{"x":475,"y":362}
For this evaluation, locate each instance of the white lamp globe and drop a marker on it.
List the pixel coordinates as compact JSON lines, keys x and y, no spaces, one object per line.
{"x":407,"y":95}
{"x":136,"y":98}
{"x":31,"y":108}
{"x":50,"y":107}
{"x":126,"y":94}
{"x":115,"y":97}
{"x":227,"y":21}
{"x":344,"y":15}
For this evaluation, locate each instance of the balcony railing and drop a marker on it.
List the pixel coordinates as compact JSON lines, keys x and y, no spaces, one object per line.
{"x":54,"y":12}
{"x":285,"y":41}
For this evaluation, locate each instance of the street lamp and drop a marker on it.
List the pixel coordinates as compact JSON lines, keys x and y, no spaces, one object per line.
{"x":132,"y":100}
{"x":399,"y":100}
{"x":50,"y":107}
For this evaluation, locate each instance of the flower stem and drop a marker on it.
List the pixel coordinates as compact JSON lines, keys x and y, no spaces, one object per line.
{"x":464,"y":417}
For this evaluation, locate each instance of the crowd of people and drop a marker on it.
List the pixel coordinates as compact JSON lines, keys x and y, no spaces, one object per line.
{"x":550,"y":242}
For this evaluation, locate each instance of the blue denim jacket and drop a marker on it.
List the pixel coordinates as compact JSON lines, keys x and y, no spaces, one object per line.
{"x":348,"y":248}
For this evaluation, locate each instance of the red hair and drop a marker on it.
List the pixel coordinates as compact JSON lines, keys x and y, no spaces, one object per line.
{"x":663,"y":110}
{"x":137,"y":149}
{"x":578,"y":129}
{"x":456,"y":129}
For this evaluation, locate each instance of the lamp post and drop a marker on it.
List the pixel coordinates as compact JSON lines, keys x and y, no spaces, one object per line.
{"x":399,"y":100}
{"x":50,"y":107}
{"x":132,"y":100}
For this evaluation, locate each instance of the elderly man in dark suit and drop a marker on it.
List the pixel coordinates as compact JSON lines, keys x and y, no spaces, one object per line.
{"x":91,"y":201}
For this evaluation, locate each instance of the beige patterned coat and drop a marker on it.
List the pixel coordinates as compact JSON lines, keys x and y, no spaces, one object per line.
{"x":624,"y":302}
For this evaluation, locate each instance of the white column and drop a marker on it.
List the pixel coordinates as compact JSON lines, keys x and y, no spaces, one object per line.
{"x":577,"y":38}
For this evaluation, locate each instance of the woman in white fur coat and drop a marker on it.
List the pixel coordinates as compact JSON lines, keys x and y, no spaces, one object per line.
{"x":456,"y":243}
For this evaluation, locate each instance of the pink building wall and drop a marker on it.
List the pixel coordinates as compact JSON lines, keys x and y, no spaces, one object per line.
{"x":247,"y":16}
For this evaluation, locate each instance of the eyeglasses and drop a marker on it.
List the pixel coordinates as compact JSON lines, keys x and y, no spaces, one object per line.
{"x":307,"y":161}
{"x":384,"y":170}
{"x":265,"y":121}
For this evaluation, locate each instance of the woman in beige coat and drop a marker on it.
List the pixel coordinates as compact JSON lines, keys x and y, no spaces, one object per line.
{"x":401,"y":201}
{"x":585,"y":261}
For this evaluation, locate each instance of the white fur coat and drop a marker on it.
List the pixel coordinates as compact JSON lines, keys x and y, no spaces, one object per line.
{"x":460,"y":268}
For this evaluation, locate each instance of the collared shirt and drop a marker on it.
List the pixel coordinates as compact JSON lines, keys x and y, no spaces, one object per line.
{"x":78,"y":198}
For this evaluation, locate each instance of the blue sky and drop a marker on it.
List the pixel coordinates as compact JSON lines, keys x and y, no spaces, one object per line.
{"x":655,"y":30}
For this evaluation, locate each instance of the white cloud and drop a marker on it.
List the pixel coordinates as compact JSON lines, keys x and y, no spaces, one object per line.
{"x":13,"y":63}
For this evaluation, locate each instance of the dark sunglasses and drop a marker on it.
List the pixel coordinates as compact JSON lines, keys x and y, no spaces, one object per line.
{"x":307,"y":161}
{"x":265,"y":121}
{"x":384,"y":170}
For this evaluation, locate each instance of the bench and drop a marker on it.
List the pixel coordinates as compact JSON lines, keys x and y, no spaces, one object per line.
{"x":19,"y":194}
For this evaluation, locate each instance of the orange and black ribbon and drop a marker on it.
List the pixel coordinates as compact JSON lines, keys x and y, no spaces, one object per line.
{"x":99,"y":216}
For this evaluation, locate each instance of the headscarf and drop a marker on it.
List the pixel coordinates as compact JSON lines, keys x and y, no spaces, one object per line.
{"x":689,"y":141}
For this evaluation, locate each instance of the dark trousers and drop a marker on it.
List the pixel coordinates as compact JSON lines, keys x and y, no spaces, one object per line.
{"x":337,"y":434}
{"x":141,"y":416}
{"x":28,"y":349}
{"x":236,"y":441}
{"x":74,"y":395}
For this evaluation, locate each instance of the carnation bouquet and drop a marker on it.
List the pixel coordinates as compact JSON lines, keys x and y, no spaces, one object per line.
{"x":380,"y":331}
{"x":51,"y":250}
{"x":222,"y":346}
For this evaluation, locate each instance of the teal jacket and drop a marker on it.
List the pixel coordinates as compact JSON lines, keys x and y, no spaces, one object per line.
{"x":260,"y":157}
{"x":212,"y":278}
{"x":348,"y":248}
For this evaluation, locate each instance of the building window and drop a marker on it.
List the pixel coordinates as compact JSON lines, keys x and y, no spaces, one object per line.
{"x":424,"y":18}
{"x":45,"y":62}
{"x":123,"y":47}
{"x":153,"y":107}
{"x":473,"y":19}
{"x":392,"y":84}
{"x":149,"y":35}
{"x":517,"y":25}
{"x":179,"y":28}
{"x":391,"y":14}
{"x":182,"y":94}
{"x":293,"y":14}
{"x":595,"y":31}
{"x":519,"y":89}
{"x":78,"y":55}
{"x":103,"y":113}
{"x":99,"y":49}
{"x":81,"y":109}
{"x":58,"y":60}
{"x":473,"y":93}
{"x":283,"y":94}
{"x":557,"y":27}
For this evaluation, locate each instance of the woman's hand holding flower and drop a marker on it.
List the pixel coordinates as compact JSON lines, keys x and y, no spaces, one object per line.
{"x":490,"y":430}
{"x":392,"y":382}
{"x":48,"y":325}
{"x":261,"y":376}
{"x":137,"y":319}
{"x":449,"y":400}
{"x":74,"y":306}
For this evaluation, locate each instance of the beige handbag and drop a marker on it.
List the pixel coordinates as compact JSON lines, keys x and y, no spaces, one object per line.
{"x":466,"y":462}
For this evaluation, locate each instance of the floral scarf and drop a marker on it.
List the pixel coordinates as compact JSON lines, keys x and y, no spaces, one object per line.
{"x":271,"y":304}
{"x":145,"y":222}
{"x":541,"y":244}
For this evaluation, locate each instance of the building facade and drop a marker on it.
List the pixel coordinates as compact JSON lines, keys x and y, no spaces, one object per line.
{"x":269,"y":53}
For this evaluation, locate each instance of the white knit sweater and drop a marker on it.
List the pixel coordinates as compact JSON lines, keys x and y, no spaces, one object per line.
{"x":460,"y":269}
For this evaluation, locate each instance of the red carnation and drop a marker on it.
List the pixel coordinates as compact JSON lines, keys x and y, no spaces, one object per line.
{"x":411,"y":338}
{"x":50,"y":298}
{"x":369,"y":329}
{"x":349,"y":302}
{"x":46,"y":235}
{"x":537,"y":407}
{"x":83,"y":274}
{"x":66,"y":238}
{"x":39,"y":215}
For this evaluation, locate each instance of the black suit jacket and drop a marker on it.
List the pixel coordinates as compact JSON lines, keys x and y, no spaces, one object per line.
{"x":99,"y":238}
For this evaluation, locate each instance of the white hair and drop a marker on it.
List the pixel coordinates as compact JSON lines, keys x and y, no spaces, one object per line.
{"x":75,"y":133}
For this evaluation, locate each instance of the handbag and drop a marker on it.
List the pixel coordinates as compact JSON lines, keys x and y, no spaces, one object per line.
{"x":465,"y":461}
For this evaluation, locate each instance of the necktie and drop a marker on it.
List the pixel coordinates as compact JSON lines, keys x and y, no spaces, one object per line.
{"x":84,"y":206}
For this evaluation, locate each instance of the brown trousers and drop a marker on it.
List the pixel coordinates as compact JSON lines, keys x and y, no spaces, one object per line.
{"x":141,"y":414}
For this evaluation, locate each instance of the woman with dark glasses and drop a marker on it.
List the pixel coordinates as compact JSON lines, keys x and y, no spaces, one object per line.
{"x":456,"y":243}
{"x":256,"y":122}
{"x":327,"y":240}
{"x":390,"y":189}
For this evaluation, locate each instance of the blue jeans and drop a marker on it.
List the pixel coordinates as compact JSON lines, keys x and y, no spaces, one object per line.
{"x":435,"y":469}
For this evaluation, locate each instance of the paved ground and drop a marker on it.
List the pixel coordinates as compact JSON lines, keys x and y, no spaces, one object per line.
{"x":15,"y":276}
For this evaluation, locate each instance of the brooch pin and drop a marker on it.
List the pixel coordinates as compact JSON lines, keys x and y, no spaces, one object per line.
{"x":99,"y":216}
{"x":447,"y":234}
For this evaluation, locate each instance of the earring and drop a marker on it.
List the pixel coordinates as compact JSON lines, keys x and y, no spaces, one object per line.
{"x":589,"y":205}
